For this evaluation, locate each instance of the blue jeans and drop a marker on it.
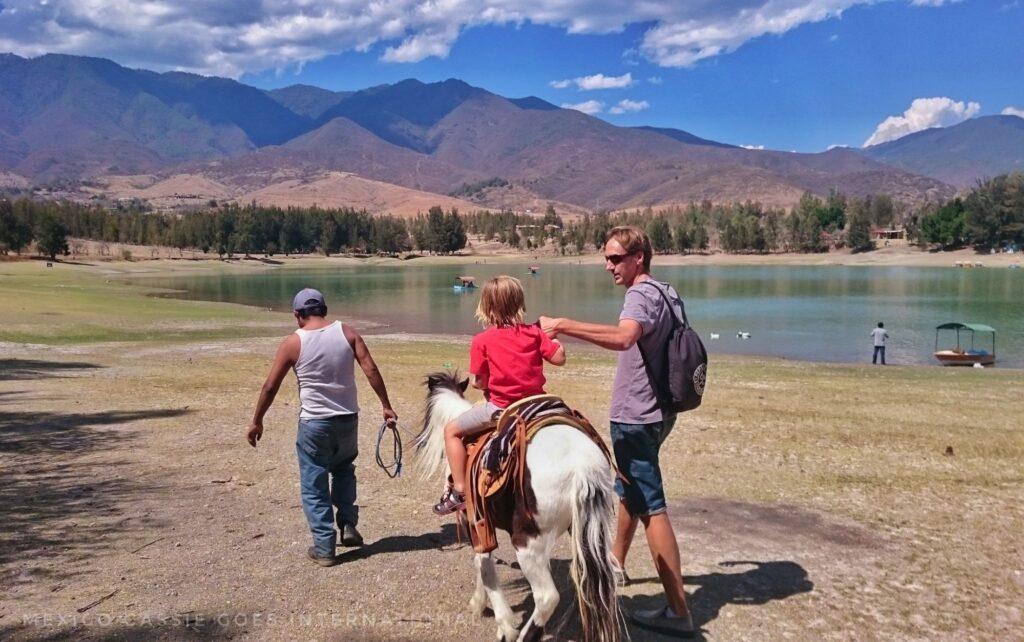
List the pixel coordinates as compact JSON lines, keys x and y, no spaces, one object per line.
{"x":879,"y":350}
{"x":636,"y":448}
{"x":328,"y":447}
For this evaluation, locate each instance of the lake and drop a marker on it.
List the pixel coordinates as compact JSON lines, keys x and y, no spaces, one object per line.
{"x":818,"y":313}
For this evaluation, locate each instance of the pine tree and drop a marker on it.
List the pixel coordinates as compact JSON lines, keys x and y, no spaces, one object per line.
{"x":858,"y":231}
{"x":660,"y":234}
{"x":51,"y":236}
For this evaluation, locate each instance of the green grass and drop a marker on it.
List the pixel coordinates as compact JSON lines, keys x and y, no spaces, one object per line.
{"x":70,"y":304}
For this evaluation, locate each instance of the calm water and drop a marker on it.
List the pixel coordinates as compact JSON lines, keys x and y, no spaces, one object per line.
{"x":813,"y":313}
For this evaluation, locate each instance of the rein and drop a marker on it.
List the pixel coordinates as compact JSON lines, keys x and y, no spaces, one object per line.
{"x":393,"y":469}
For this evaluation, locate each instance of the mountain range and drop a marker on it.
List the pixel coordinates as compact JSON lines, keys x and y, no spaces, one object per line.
{"x":960,"y":155}
{"x":179,"y":139}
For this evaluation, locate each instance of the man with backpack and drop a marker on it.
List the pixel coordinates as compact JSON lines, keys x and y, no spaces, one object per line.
{"x":639,"y":425}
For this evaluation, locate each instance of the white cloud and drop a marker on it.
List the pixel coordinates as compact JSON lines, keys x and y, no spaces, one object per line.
{"x":932,"y":3}
{"x":600,"y":81}
{"x":596,"y":81}
{"x":1013,"y":111}
{"x":230,"y":37}
{"x":755,"y":147}
{"x":587,"y":107}
{"x":421,"y":46}
{"x":655,"y":80}
{"x":627,"y":105}
{"x":923,"y":113}
{"x":831,"y":147}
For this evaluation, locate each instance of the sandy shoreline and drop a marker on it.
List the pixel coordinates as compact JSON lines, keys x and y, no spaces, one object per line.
{"x":163,"y":261}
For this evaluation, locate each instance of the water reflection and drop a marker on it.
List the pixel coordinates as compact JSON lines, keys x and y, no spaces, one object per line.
{"x":815,"y":313}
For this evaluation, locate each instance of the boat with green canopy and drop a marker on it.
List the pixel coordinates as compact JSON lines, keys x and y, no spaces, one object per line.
{"x":965,"y":353}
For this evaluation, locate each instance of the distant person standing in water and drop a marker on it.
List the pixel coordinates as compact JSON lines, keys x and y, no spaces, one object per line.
{"x":879,"y":335}
{"x":323,"y":354}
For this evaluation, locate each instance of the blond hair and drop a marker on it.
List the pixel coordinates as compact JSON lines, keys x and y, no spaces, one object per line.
{"x":633,"y":240}
{"x":502,"y":302}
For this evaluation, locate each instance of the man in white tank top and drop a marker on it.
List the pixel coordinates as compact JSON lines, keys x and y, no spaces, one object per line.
{"x":323,"y":354}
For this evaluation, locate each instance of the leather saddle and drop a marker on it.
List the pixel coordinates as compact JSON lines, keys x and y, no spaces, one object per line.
{"x":497,"y":475}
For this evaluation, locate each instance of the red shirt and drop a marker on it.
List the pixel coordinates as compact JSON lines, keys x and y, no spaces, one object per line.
{"x":512,"y":360}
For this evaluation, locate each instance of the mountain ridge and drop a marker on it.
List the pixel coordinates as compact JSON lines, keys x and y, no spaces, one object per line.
{"x":67,"y":117}
{"x":960,"y":154}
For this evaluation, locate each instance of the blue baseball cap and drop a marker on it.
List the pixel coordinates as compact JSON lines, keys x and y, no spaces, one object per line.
{"x":308,"y":298}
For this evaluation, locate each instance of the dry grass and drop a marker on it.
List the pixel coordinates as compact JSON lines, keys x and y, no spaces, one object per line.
{"x":125,"y":469}
{"x":323,"y":189}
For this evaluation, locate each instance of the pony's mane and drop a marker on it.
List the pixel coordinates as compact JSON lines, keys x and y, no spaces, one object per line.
{"x":444,"y":379}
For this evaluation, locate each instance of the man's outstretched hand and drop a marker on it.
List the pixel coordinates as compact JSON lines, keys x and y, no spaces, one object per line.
{"x":548,"y":325}
{"x":254,"y":433}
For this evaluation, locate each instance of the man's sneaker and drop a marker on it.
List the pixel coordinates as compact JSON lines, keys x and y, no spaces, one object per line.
{"x":451,"y":501}
{"x":663,"y":620}
{"x":350,"y":536}
{"x":321,"y":560}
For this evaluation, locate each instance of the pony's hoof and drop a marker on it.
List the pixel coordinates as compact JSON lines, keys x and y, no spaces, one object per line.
{"x":507,"y":634}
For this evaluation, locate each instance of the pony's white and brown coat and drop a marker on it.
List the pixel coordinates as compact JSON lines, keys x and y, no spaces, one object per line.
{"x":569,"y":487}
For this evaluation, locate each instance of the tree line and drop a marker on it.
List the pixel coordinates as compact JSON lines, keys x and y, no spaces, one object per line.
{"x":813,"y":225}
{"x":990,"y":217}
{"x":250,"y":229}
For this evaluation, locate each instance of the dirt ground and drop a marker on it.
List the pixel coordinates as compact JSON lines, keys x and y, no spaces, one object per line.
{"x":812,"y":502}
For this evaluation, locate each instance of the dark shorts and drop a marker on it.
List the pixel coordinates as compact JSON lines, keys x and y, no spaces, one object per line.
{"x":636,"y":448}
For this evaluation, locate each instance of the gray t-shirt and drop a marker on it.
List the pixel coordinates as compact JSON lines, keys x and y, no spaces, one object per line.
{"x":879,"y":335}
{"x":633,"y":398}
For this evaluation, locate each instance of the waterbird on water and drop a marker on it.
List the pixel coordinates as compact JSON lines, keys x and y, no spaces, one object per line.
{"x":742,"y":335}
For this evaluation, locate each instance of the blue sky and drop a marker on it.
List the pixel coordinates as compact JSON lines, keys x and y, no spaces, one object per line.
{"x":784,"y":74}
{"x":820,"y":84}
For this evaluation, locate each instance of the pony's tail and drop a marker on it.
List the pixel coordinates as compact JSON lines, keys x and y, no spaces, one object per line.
{"x":592,"y":568}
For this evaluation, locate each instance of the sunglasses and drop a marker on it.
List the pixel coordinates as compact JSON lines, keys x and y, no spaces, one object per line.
{"x":615,"y":259}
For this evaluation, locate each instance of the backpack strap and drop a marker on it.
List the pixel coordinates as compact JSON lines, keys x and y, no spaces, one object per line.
{"x":657,"y":384}
{"x":668,"y":302}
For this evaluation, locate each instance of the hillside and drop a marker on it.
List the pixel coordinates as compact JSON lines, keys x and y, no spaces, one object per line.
{"x":68,"y":117}
{"x":307,"y":100}
{"x":467,"y":135}
{"x":327,"y":189}
{"x":65,"y":117}
{"x":961,"y":154}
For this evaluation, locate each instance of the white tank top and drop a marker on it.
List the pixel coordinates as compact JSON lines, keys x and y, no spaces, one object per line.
{"x":326,"y":373}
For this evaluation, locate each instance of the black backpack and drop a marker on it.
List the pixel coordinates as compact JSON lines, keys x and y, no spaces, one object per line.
{"x":681,"y":386}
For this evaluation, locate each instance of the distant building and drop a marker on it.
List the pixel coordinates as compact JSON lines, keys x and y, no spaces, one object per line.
{"x":879,"y":233}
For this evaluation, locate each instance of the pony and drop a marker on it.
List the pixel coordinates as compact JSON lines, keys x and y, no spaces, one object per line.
{"x":569,"y":487}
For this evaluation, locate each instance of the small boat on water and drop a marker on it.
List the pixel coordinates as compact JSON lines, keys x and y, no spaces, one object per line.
{"x":962,"y":355}
{"x":464,"y":283}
